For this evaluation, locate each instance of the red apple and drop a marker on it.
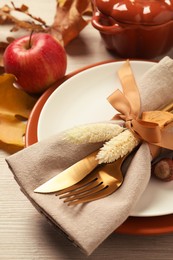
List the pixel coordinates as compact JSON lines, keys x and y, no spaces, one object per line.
{"x":37,"y":61}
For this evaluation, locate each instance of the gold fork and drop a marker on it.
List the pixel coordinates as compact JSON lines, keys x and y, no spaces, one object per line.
{"x":101,"y":182}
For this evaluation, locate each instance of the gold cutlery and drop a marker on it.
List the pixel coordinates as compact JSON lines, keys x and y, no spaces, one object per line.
{"x":78,"y":171}
{"x":101,"y":182}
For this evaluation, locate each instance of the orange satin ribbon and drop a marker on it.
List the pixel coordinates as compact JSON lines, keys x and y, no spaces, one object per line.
{"x":128,"y":104}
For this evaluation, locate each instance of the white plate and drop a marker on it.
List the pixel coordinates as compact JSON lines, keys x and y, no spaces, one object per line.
{"x":82,"y":99}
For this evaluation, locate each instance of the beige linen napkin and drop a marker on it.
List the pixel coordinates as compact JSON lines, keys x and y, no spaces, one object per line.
{"x":88,"y":225}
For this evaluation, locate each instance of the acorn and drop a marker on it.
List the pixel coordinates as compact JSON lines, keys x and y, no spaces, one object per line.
{"x":163,"y":169}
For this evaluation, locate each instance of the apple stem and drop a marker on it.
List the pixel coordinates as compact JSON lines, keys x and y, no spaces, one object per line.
{"x":29,"y":44}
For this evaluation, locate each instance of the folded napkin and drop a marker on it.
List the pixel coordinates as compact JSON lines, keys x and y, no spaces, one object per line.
{"x":88,"y":225}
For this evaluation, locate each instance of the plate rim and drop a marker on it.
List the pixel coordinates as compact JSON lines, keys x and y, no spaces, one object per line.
{"x":133,"y":225}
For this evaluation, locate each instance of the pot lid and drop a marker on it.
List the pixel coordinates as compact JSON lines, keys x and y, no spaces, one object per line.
{"x":147,"y":12}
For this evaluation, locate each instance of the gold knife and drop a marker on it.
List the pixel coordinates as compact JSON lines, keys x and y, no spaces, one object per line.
{"x":71,"y":175}
{"x":77,"y":171}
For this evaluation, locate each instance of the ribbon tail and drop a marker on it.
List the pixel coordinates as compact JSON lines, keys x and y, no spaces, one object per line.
{"x":153,"y":134}
{"x":147,"y":131}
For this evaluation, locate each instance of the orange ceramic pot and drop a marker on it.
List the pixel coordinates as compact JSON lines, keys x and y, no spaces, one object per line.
{"x":135,"y":28}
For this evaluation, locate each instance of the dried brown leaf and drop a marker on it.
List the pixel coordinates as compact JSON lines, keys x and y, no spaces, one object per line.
{"x":34,"y":24}
{"x":23,"y":24}
{"x":6,"y":13}
{"x":69,"y":20}
{"x":24,"y":9}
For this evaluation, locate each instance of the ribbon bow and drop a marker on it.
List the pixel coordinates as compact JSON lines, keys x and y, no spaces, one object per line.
{"x":128,"y":106}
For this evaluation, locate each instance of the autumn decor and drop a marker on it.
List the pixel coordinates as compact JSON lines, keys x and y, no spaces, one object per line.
{"x":15,"y":104}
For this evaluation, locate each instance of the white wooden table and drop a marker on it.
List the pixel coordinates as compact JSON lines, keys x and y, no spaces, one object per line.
{"x":24,"y":233}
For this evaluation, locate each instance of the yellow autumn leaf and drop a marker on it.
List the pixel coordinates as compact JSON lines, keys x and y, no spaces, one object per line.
{"x":14,"y":101}
{"x":12,"y":131}
{"x":15,"y":106}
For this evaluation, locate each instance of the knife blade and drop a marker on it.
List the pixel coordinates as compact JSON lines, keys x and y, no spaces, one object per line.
{"x":71,"y":175}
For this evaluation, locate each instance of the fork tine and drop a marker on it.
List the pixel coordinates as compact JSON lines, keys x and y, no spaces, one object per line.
{"x":95,"y":190}
{"x":91,"y":197}
{"x":105,"y":191}
{"x":83,"y":188}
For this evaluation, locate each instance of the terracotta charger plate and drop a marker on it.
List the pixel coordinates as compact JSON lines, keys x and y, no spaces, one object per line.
{"x":133,"y":225}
